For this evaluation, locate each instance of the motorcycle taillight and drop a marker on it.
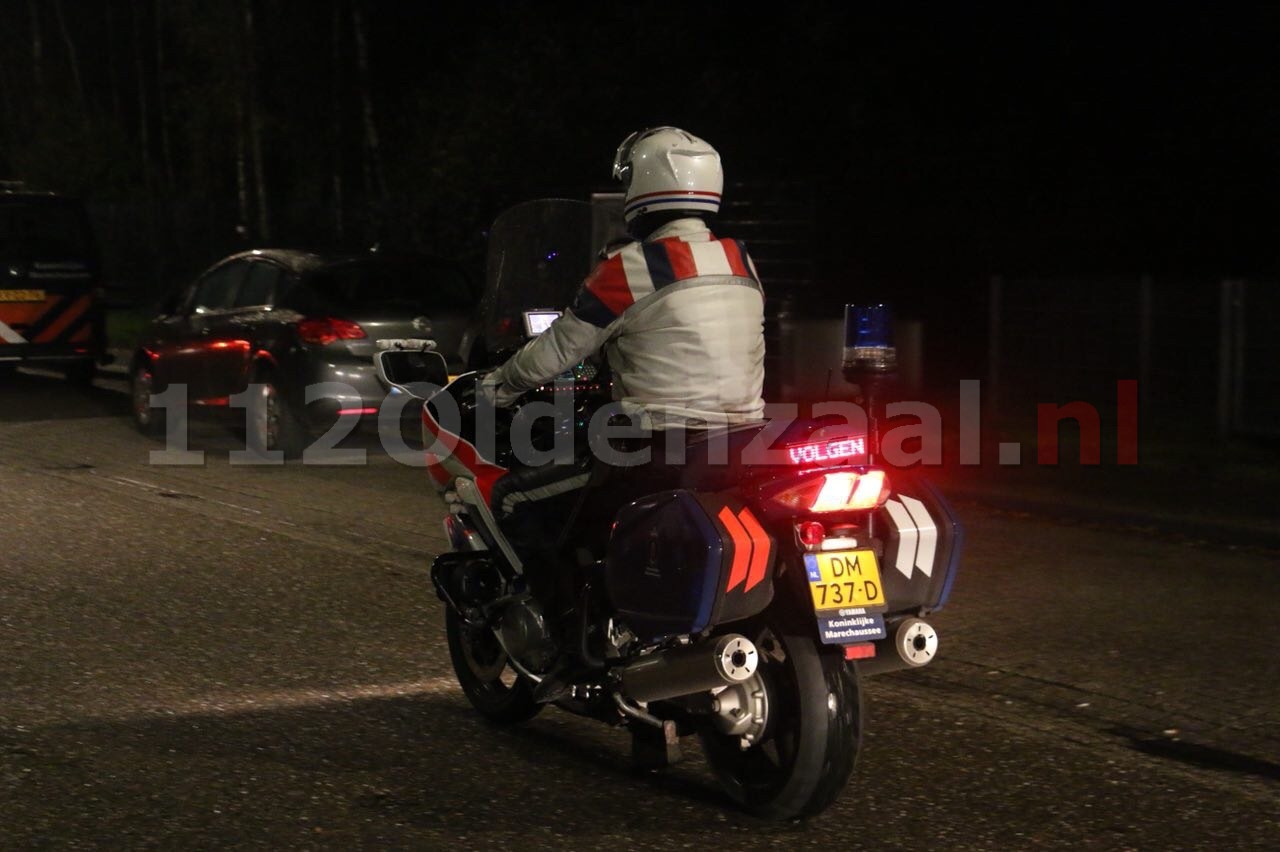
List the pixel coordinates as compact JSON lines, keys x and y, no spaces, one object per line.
{"x":836,"y":491}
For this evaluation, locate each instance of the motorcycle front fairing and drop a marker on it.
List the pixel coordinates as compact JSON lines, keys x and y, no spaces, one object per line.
{"x":539,"y":253}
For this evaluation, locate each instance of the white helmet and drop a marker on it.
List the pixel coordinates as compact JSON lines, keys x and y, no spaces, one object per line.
{"x":665,"y":168}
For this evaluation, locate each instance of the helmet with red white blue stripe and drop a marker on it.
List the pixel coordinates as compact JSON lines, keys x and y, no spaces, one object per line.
{"x":668,"y":169}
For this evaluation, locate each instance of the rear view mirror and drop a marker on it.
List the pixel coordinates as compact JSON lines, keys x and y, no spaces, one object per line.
{"x":411,"y":366}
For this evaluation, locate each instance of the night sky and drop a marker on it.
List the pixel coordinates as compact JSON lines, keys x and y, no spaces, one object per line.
{"x":943,"y":142}
{"x":987,"y":136}
{"x":1002,"y":136}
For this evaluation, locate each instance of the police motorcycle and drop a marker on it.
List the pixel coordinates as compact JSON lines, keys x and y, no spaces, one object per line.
{"x":738,"y":609}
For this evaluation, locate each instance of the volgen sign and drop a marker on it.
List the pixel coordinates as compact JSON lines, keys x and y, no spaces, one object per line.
{"x":825,"y":451}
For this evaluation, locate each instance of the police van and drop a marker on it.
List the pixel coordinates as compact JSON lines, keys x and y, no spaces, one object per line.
{"x":51,"y":306}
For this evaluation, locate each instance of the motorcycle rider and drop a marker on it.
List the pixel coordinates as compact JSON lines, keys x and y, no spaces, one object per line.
{"x":678,"y":313}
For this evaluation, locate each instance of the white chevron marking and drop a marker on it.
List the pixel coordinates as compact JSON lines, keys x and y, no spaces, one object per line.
{"x":928,"y":534}
{"x":906,"y":536}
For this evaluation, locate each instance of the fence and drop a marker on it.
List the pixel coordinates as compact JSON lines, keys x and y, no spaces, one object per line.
{"x":1205,"y":354}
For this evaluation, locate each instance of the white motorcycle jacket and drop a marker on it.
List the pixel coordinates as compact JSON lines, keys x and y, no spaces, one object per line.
{"x":682,"y":317}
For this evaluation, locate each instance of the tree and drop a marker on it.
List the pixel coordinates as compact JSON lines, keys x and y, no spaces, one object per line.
{"x":253,"y":113}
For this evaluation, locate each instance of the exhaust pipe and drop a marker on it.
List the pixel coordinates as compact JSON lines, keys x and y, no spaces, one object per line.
{"x":914,"y":643}
{"x":690,"y":669}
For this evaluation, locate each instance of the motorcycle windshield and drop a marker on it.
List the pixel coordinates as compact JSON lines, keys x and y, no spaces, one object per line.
{"x":539,"y":253}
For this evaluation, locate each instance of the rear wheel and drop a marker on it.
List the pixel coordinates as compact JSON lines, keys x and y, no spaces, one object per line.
{"x":491,"y":684}
{"x":149,"y":420}
{"x":805,"y":755}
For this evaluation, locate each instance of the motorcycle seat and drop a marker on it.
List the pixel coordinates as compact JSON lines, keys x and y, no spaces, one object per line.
{"x":714,"y":457}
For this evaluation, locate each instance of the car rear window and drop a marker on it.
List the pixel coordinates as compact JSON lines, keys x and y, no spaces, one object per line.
{"x":363,"y":285}
{"x":44,"y":230}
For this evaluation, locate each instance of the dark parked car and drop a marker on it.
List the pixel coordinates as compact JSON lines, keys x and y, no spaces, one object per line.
{"x":287,"y":320}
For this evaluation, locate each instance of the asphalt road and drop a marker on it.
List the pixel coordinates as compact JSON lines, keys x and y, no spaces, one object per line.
{"x":219,"y":655}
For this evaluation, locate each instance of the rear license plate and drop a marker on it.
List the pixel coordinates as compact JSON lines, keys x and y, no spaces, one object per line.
{"x":844,"y":578}
{"x":22,"y":295}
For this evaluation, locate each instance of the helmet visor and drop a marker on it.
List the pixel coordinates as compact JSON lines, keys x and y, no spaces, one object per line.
{"x":622,"y":159}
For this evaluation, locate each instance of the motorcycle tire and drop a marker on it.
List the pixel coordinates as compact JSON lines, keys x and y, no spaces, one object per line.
{"x":500,"y":694}
{"x":810,"y":744}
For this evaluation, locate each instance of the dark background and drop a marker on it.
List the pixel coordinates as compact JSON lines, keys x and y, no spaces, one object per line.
{"x":933,"y":145}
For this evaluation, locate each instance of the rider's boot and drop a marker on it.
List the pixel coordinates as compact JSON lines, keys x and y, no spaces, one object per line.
{"x":557,"y":684}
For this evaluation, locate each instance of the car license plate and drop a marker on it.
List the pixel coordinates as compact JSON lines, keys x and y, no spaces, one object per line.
{"x":844,"y":578}
{"x":22,"y":295}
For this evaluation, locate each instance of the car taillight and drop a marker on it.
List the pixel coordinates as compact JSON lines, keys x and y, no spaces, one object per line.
{"x":325,"y":330}
{"x":840,"y":491}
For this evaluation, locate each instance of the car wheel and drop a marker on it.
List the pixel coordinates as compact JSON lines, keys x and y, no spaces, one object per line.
{"x":148,"y":419}
{"x":276,"y":426}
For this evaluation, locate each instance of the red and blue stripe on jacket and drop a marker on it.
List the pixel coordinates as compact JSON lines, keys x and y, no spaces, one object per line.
{"x":639,"y":270}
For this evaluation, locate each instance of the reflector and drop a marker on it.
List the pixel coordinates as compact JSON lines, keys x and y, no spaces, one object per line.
{"x":811,"y":533}
{"x":860,"y":651}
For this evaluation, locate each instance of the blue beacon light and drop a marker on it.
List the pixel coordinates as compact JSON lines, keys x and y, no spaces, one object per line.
{"x":868,"y":339}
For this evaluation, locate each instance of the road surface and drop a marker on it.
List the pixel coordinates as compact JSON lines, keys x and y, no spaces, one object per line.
{"x":219,"y":655}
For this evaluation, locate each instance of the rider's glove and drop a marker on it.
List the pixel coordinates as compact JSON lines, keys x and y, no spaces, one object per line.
{"x":492,"y":390}
{"x":487,"y":389}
